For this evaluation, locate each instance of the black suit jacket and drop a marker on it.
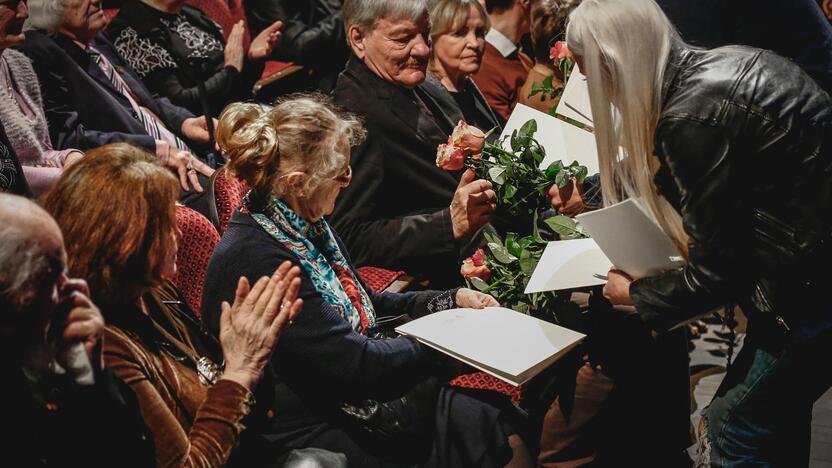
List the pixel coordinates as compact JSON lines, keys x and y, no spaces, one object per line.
{"x":82,"y":107}
{"x":12,"y":178}
{"x":395,"y":213}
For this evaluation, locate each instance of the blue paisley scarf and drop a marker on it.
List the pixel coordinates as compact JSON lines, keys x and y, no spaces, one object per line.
{"x":315,"y":246}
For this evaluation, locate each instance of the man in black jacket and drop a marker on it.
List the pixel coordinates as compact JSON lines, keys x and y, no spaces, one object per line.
{"x":401,"y":211}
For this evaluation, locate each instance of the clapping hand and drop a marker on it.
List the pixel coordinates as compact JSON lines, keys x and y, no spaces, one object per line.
{"x":249,"y":328}
{"x":262,"y":45}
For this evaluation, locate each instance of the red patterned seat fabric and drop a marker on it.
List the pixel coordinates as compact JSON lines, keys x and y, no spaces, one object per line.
{"x":229,"y":194}
{"x":483,"y":381}
{"x":378,"y":279}
{"x":196,"y":245}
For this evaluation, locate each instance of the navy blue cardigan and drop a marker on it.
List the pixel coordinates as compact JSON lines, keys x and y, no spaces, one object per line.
{"x":319,"y":360}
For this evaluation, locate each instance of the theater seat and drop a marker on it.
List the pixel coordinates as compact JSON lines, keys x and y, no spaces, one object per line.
{"x":229,"y":193}
{"x":483,"y":381}
{"x":196,"y":245}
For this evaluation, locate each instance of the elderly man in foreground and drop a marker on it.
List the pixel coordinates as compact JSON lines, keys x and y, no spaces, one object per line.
{"x":65,"y":410}
{"x":401,"y":211}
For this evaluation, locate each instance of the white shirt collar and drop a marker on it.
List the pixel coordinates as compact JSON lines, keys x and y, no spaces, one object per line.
{"x":500,"y":42}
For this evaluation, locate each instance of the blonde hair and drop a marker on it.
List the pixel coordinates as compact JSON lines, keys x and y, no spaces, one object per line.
{"x":447,"y":16}
{"x":300,"y":133}
{"x":625,"y":46}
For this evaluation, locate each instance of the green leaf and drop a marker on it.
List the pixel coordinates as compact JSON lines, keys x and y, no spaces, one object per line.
{"x":528,"y":129}
{"x":581,"y":175}
{"x":562,"y":179}
{"x":563,"y":225}
{"x":547,"y":82}
{"x":516,"y":143}
{"x":478,"y":283}
{"x":500,"y":253}
{"x":496,"y":174}
{"x":492,"y":238}
{"x":553,"y":169}
{"x":527,"y":262}
{"x":509,"y":191}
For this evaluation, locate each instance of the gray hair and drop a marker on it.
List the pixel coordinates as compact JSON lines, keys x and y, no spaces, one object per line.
{"x":45,"y":15}
{"x":365,"y":13}
{"x":22,"y":264}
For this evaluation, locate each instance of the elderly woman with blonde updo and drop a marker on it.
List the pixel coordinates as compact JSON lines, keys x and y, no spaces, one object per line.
{"x":296,"y":158}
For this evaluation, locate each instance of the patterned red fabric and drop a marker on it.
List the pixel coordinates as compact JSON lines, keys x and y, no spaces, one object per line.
{"x":348,"y":282}
{"x":378,"y":279}
{"x":225,"y":13}
{"x":229,"y":193}
{"x":196,"y":245}
{"x":483,"y":381}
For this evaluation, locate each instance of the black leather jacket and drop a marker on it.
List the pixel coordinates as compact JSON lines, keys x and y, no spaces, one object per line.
{"x":745,"y":144}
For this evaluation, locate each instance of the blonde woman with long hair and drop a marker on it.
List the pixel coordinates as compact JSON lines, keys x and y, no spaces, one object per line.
{"x":731,"y":151}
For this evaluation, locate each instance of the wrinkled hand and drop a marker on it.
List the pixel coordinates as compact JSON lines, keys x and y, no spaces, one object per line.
{"x":72,"y":158}
{"x":82,"y":322}
{"x":234,"y":53}
{"x":569,"y":200}
{"x":262,"y":45}
{"x":249,"y":329}
{"x":471,"y":299}
{"x":473,"y":205}
{"x":617,"y":289}
{"x":196,"y":129}
{"x":179,"y":161}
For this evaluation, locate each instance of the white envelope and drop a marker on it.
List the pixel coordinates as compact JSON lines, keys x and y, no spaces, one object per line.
{"x":569,"y":264}
{"x":574,"y":103}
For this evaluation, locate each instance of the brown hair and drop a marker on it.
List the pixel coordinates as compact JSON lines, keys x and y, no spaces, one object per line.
{"x":549,"y":25}
{"x":116,"y":208}
{"x":299,"y":133}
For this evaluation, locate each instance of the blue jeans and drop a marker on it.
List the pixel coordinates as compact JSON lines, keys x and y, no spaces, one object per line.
{"x":761,"y":414}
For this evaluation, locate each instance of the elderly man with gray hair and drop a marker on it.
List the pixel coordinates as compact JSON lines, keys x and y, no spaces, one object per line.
{"x":64,"y":409}
{"x":401,"y":211}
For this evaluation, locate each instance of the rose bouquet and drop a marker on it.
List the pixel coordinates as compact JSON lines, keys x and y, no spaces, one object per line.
{"x":520,"y":184}
{"x":503,"y":268}
{"x":562,"y":57}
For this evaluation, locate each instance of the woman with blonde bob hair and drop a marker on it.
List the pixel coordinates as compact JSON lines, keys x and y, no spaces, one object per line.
{"x":730,"y":150}
{"x":338,"y":381}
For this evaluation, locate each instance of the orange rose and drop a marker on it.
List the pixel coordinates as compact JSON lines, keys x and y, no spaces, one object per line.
{"x":450,"y":158}
{"x":560,"y":51}
{"x":474,"y":266}
{"x":468,"y":137}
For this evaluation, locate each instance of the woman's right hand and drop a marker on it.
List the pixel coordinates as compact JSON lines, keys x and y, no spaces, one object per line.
{"x":249,"y":329}
{"x":234,"y":52}
{"x":186,"y":165}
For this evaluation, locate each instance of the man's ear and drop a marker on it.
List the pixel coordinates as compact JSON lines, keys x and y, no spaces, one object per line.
{"x":356,"y":39}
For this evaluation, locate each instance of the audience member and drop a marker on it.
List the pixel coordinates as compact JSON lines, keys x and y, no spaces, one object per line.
{"x":125,"y":246}
{"x":748,"y":239}
{"x":505,"y":66}
{"x":548,"y":24}
{"x":176,"y":49}
{"x":796,"y":29}
{"x":21,"y":109}
{"x":313,"y":35}
{"x":92,"y":97}
{"x":62,"y":408}
{"x":12,"y":178}
{"x":403,"y":212}
{"x":458,"y":29}
{"x":296,"y":158}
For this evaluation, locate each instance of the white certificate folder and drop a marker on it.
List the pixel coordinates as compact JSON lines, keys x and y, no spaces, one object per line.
{"x":509,"y":345}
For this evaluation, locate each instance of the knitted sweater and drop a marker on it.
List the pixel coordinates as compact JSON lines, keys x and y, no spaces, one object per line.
{"x":27,"y":130}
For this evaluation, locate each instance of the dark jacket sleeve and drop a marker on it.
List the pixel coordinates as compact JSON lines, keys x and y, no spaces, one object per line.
{"x":379,"y":240}
{"x":218,"y":86}
{"x":698,"y":156}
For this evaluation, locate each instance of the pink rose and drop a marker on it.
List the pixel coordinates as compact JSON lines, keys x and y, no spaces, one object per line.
{"x":450,"y":158}
{"x":468,"y":137}
{"x":474,"y":266}
{"x":560,"y":51}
